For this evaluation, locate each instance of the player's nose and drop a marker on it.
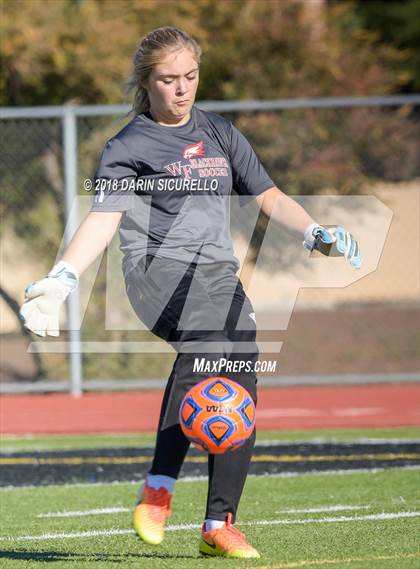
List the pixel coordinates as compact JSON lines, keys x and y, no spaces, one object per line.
{"x":181,"y":86}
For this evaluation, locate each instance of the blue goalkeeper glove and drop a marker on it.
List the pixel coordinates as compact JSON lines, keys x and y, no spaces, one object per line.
{"x":333,"y":242}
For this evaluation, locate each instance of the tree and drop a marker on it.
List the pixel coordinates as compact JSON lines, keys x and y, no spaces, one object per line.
{"x":396,"y":24}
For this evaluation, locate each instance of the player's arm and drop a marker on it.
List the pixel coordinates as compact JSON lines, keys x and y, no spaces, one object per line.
{"x":93,"y":236}
{"x":284,"y":210}
{"x":331,"y":242}
{"x":44,"y":298}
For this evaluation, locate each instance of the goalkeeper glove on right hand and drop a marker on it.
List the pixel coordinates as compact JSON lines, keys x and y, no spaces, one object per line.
{"x":333,"y":242}
{"x":43,"y":299}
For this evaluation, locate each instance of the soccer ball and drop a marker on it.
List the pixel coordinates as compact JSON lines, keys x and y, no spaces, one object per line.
{"x":217,"y":415}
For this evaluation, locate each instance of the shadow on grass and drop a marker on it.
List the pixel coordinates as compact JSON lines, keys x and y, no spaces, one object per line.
{"x":54,"y":556}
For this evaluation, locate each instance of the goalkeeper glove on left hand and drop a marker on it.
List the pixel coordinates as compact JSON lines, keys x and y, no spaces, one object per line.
{"x":333,"y":242}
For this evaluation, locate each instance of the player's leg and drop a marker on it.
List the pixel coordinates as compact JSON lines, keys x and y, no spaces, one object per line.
{"x":154,"y":497}
{"x":228,"y":472}
{"x":171,"y":443}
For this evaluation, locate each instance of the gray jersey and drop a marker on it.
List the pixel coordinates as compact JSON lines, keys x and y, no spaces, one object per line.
{"x":173,"y":185}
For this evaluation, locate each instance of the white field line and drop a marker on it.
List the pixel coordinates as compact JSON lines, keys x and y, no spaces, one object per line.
{"x":120,"y":509}
{"x":335,"y":508}
{"x":95,"y":512}
{"x":291,"y":474}
{"x":344,"y":472}
{"x":343,"y":519}
{"x":98,"y":484}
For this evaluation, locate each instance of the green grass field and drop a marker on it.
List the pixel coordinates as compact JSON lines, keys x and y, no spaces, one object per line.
{"x":359,"y":520}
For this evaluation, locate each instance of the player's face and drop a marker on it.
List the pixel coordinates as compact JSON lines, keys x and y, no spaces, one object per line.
{"x":172,"y":87}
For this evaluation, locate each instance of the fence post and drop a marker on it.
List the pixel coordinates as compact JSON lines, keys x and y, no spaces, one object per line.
{"x":70,"y":186}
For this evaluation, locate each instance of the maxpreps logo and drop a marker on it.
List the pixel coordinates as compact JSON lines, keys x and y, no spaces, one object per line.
{"x":195,"y":149}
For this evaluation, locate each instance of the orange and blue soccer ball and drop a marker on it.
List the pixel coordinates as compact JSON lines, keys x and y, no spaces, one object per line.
{"x":217,"y":415}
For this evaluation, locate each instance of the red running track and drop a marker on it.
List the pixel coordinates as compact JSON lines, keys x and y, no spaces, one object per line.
{"x":278,"y":408}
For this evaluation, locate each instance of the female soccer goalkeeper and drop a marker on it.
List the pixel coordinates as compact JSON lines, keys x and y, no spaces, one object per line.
{"x":165,"y":180}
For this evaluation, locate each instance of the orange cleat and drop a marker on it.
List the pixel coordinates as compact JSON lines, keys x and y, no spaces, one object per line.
{"x":151,"y":513}
{"x":226,"y":541}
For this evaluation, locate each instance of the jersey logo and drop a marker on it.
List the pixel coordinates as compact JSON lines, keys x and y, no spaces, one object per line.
{"x":195,"y":149}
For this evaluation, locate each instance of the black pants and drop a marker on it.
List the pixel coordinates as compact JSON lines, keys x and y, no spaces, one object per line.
{"x":202,"y":311}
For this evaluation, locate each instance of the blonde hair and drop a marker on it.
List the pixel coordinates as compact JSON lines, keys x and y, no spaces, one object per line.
{"x":151,"y":50}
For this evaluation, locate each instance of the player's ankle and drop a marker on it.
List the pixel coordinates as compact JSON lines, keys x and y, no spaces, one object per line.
{"x":157,"y":481}
{"x":210,"y":524}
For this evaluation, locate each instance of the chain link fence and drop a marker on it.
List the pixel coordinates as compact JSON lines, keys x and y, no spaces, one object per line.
{"x":337,"y":148}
